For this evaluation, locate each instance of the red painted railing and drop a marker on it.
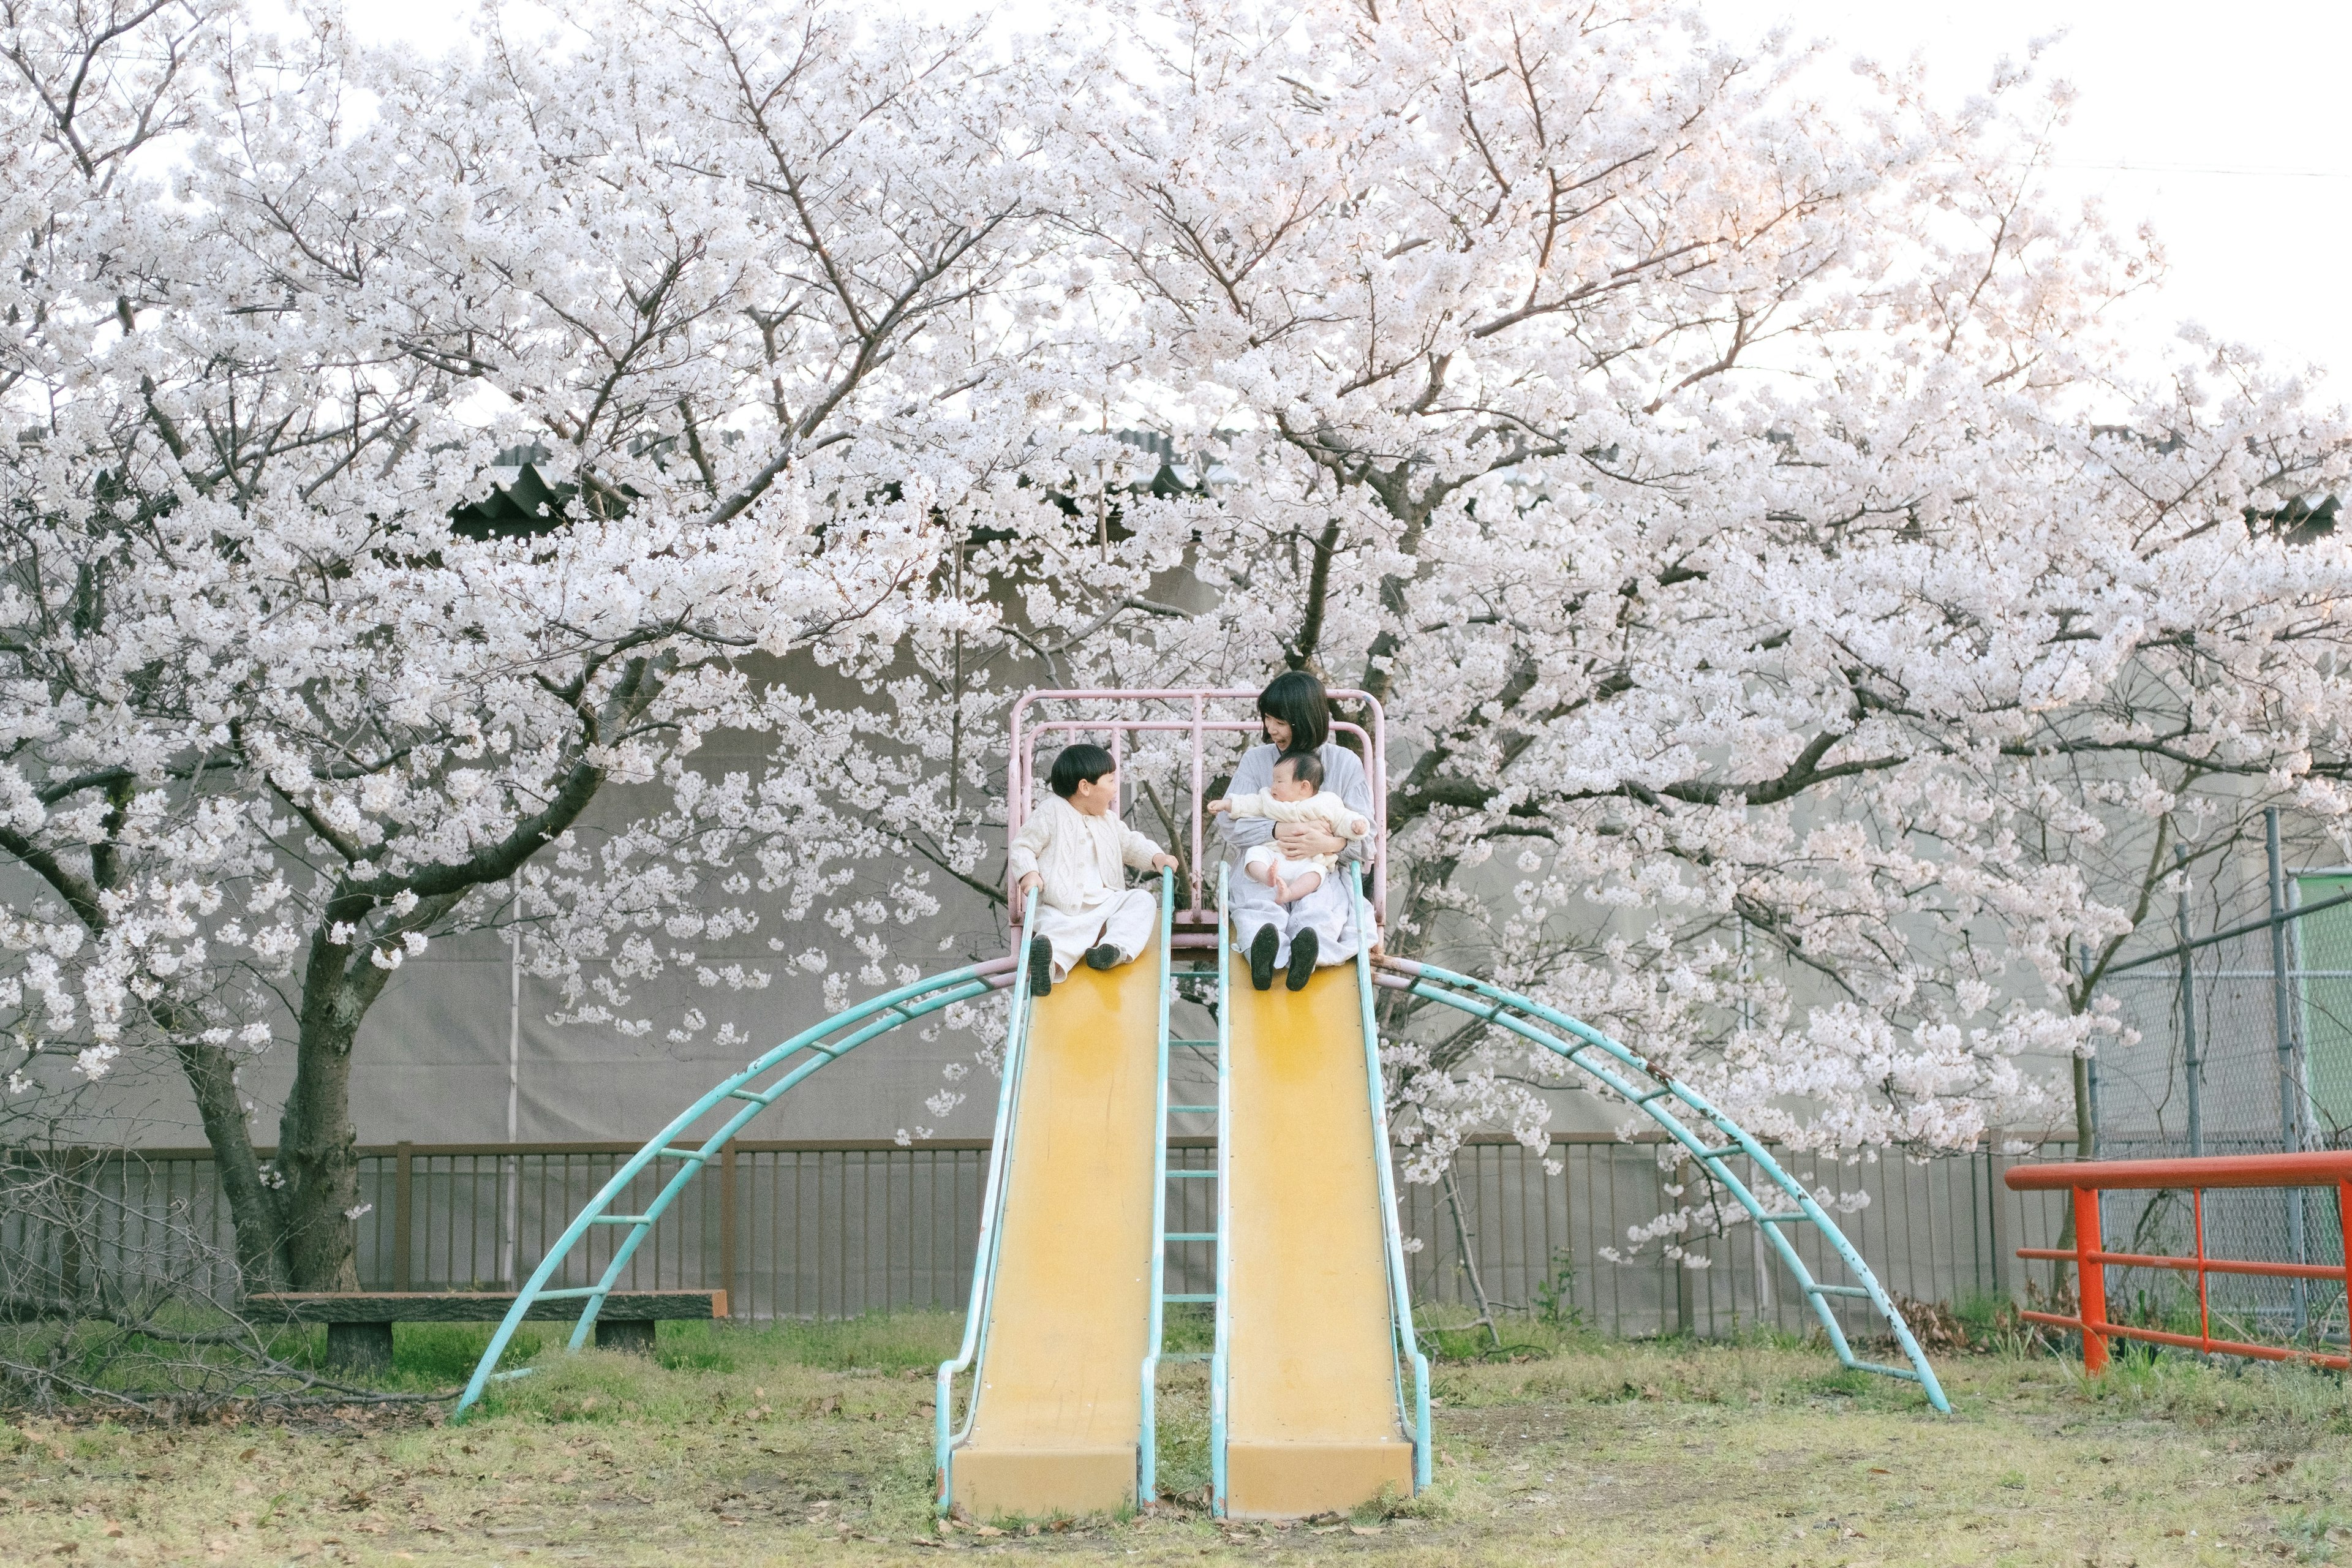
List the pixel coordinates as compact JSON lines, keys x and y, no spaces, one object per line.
{"x":2088,"y":1178}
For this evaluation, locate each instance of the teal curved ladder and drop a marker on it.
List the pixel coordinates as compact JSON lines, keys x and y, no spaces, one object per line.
{"x":1666,"y":1101}
{"x":793,"y":1062}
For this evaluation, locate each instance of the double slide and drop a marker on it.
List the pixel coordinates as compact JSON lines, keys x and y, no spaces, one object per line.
{"x":1318,"y":1401}
{"x":1318,"y":1395}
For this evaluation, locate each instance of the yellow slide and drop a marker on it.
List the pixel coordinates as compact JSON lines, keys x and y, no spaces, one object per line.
{"x":1060,"y":1408}
{"x":1312,"y":1418}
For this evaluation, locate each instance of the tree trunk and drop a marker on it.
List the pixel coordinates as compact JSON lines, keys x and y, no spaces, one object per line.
{"x":2086,"y":1128}
{"x":318,"y":1154}
{"x":318,"y":1147}
{"x":211,"y":1077}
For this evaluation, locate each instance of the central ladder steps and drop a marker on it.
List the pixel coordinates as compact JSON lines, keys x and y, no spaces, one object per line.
{"x":1146,"y":1488}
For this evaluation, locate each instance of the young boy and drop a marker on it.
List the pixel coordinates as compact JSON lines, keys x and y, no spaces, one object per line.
{"x":1072,"y":850}
{"x":1296,"y":795}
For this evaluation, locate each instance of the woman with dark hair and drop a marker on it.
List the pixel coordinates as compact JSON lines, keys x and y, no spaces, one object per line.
{"x":1316,"y":929}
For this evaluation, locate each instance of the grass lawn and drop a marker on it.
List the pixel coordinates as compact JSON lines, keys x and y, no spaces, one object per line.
{"x":807,"y":1443}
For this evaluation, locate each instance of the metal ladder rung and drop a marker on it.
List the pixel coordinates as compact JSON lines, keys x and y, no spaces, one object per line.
{"x":669,"y":1153}
{"x":1884,"y":1370}
{"x":1177,"y":1042}
{"x":575,"y":1293}
{"x":747,"y":1094}
{"x":1199,"y":1110}
{"x":1192,"y":1175}
{"x":1190,"y":1298}
{"x":1191,"y":1235}
{"x":617,"y":1219}
{"x":1790,"y":1218}
{"x":1837,"y":1290}
{"x":1717,"y":1153}
{"x":1655,"y":1094}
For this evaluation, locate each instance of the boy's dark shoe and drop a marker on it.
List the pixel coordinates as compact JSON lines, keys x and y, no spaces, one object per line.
{"x":1262,"y":958}
{"x":1303,"y":953}
{"x":1041,"y":966}
{"x":1102,"y":955}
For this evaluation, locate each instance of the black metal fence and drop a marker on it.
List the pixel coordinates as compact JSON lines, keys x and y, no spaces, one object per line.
{"x":831,"y":1229}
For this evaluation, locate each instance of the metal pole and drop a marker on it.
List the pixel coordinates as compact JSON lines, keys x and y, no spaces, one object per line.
{"x":1747,"y":1024}
{"x":2193,"y":1068}
{"x":2090,"y":1147}
{"x":1200,"y":806}
{"x":2091,"y":1072}
{"x":2091,"y":1279}
{"x":511,"y":1212}
{"x":2283,"y":1011}
{"x":403,"y":1211}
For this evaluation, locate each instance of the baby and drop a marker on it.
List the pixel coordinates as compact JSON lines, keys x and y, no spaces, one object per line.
{"x":1296,"y":795}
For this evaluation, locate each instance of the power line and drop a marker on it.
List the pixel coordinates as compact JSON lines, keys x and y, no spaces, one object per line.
{"x":2208,"y":169}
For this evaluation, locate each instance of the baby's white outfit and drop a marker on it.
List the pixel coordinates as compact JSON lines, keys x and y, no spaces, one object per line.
{"x":1084,"y":900}
{"x":1322,"y":807}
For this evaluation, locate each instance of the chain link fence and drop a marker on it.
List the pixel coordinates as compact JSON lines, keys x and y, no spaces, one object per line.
{"x":2243,"y":1046}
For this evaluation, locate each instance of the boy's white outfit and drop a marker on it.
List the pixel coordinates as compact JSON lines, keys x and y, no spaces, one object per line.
{"x":1083,"y":899}
{"x":1323,"y":808}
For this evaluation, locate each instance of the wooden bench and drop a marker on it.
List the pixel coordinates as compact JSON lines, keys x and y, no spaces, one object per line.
{"x":359,"y":1323}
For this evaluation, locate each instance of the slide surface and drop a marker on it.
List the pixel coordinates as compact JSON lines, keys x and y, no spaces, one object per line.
{"x":1059,"y":1410}
{"x":1312,"y":1422}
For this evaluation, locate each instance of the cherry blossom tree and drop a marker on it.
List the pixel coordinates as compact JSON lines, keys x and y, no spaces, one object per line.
{"x":1803,"y":628}
{"x":279,"y":714}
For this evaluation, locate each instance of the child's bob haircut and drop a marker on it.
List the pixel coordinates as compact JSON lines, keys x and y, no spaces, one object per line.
{"x":1305,"y":766}
{"x":1081,"y":764}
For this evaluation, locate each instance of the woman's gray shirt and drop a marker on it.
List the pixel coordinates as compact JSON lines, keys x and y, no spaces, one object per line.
{"x":1343,"y":775}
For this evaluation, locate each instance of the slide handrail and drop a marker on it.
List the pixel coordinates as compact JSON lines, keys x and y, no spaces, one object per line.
{"x":1496,"y":1006}
{"x":1391,"y":1231}
{"x":974,"y":1346}
{"x":1147,"y":1459}
{"x":886,"y":1012}
{"x":1219,"y":1358}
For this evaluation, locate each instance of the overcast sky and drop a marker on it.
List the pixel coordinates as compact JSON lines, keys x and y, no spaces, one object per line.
{"x":2222,"y":124}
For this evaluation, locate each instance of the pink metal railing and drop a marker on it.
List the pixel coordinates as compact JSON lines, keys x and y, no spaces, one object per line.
{"x":1021,"y":781}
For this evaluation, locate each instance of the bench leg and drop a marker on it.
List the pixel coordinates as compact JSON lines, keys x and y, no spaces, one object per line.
{"x":360,"y":1347}
{"x":626,"y":1334}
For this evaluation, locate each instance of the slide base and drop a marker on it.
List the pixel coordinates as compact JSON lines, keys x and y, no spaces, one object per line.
{"x":1292,"y":1481}
{"x":1034,"y":1483}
